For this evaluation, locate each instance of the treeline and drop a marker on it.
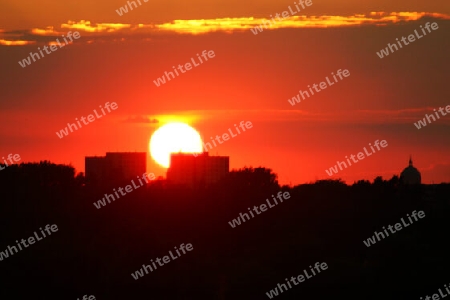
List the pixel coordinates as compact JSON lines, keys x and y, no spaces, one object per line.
{"x":96,"y":251}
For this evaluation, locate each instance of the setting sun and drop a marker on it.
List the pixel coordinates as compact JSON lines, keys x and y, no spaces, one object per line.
{"x":173,"y":137}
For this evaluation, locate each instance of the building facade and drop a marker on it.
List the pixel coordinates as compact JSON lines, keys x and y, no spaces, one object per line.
{"x":200,"y":170}
{"x":115,"y":167}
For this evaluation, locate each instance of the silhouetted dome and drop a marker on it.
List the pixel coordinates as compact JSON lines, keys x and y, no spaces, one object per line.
{"x":410,"y":175}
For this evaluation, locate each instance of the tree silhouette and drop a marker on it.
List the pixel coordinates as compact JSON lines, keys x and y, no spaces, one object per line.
{"x":259,"y":177}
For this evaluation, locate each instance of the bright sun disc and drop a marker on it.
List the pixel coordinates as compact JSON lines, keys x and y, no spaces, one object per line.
{"x":173,"y":138}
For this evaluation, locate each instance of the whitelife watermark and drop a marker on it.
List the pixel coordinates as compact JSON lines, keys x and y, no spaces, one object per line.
{"x":300,"y":278}
{"x":398,"y":227}
{"x":10,"y":157}
{"x":262,"y":207}
{"x":27,"y":61}
{"x":323,"y":85}
{"x":85,"y":297}
{"x":64,"y":132}
{"x":9,"y":251}
{"x":128,"y":189}
{"x":225,"y":136}
{"x":188,"y":66}
{"x":285,"y":14}
{"x":437,"y":296}
{"x":124,"y":9}
{"x":411,"y":38}
{"x":419,"y":123}
{"x":166,"y":259}
{"x":360,"y":156}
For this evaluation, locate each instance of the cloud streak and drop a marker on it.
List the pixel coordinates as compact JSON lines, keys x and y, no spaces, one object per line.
{"x":99,"y":27}
{"x":140,"y":119}
{"x":242,"y":24}
{"x":15,"y":42}
{"x":400,"y":116}
{"x":101,"y":31}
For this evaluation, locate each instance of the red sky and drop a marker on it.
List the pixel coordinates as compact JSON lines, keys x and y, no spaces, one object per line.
{"x":250,"y":79}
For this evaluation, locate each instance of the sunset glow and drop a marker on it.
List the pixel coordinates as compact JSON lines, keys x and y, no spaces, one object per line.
{"x":249,"y":145}
{"x":212,"y":65}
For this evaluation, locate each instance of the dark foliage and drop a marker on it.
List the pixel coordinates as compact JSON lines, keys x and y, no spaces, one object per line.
{"x":96,"y":250}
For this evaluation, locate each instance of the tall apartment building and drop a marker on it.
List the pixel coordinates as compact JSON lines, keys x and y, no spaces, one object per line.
{"x":115,"y":167}
{"x":203,"y":169}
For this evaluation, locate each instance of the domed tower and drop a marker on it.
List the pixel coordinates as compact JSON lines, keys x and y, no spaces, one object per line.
{"x":410,"y":175}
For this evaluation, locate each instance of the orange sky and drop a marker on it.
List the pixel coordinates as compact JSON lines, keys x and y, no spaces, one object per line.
{"x":250,"y":79}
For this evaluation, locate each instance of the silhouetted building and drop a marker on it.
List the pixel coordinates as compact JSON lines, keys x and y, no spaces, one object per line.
{"x":115,"y":166}
{"x":190,"y":170}
{"x":410,"y":175}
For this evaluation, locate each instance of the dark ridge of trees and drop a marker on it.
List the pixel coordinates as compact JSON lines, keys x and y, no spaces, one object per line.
{"x":42,"y":174}
{"x":95,"y":250}
{"x":256,"y":178}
